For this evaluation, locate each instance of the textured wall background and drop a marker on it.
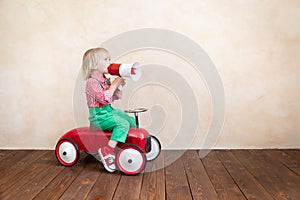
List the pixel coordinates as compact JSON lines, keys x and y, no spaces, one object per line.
{"x":255,"y":46}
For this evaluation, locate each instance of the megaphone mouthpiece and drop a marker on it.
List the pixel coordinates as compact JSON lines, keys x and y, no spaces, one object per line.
{"x":133,"y":70}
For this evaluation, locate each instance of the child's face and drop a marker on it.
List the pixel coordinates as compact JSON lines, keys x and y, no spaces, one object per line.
{"x":104,"y":63}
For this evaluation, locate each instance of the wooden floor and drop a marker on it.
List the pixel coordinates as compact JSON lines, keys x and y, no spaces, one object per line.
{"x":223,"y":174}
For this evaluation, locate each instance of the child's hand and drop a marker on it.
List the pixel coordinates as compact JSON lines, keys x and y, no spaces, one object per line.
{"x":119,"y":81}
{"x":116,"y":83}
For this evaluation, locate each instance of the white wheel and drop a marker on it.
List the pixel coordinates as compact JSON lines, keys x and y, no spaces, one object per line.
{"x":155,"y":149}
{"x":130,"y":159}
{"x":67,"y":152}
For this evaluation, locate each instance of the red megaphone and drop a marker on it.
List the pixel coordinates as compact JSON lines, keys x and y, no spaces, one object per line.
{"x":133,"y":71}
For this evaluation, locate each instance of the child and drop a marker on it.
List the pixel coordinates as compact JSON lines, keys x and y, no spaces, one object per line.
{"x":100,"y":93}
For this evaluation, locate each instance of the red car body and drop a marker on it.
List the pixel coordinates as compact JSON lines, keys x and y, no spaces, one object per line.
{"x":130,"y":156}
{"x":90,"y":141}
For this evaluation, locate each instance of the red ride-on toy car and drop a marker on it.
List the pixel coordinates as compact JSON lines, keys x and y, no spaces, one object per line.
{"x":131,"y":156}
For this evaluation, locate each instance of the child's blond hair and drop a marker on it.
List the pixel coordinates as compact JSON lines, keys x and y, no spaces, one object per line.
{"x":91,"y":60}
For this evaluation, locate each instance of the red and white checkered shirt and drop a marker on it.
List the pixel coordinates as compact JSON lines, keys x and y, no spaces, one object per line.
{"x":97,"y":93}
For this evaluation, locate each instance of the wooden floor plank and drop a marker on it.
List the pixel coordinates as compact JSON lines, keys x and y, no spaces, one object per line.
{"x":23,"y":163}
{"x":153,"y":187}
{"x":31,"y":166}
{"x":294,"y":153}
{"x":177,"y":186}
{"x":105,"y":186}
{"x":222,"y":174}
{"x":38,"y":182}
{"x":221,"y":179}
{"x":62,"y":181}
{"x":12,"y":158}
{"x":285,"y":159}
{"x":198,"y":179}
{"x":82,"y":185}
{"x":251,"y":188}
{"x":287,"y":177}
{"x":4,"y":154}
{"x":264,"y":174}
{"x":129,"y":187}
{"x":9,"y":187}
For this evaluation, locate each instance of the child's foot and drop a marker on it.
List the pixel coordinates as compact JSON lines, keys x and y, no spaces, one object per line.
{"x":107,"y":157}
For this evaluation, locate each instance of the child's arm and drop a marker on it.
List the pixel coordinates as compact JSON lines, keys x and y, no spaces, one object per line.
{"x":101,"y":95}
{"x":118,"y":93}
{"x":115,"y":84}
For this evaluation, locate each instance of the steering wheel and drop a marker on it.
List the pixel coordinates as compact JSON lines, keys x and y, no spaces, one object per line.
{"x":136,"y":110}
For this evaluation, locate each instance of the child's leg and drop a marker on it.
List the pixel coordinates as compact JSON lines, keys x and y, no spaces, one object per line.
{"x":124,"y":115}
{"x":115,"y":123}
{"x":119,"y":127}
{"x":120,"y":130}
{"x":112,"y":143}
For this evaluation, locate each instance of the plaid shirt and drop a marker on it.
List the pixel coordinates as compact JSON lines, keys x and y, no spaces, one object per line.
{"x":97,"y":93}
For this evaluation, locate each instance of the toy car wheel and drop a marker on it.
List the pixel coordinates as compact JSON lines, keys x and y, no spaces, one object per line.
{"x":67,"y":152}
{"x":155,"y":149}
{"x":131,"y":159}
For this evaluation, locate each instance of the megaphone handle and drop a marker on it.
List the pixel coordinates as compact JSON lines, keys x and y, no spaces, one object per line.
{"x":120,"y":87}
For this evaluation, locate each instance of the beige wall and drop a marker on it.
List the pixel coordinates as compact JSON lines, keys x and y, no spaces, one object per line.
{"x":255,"y":46}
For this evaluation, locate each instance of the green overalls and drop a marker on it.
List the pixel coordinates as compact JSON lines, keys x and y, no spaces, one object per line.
{"x":107,"y":118}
